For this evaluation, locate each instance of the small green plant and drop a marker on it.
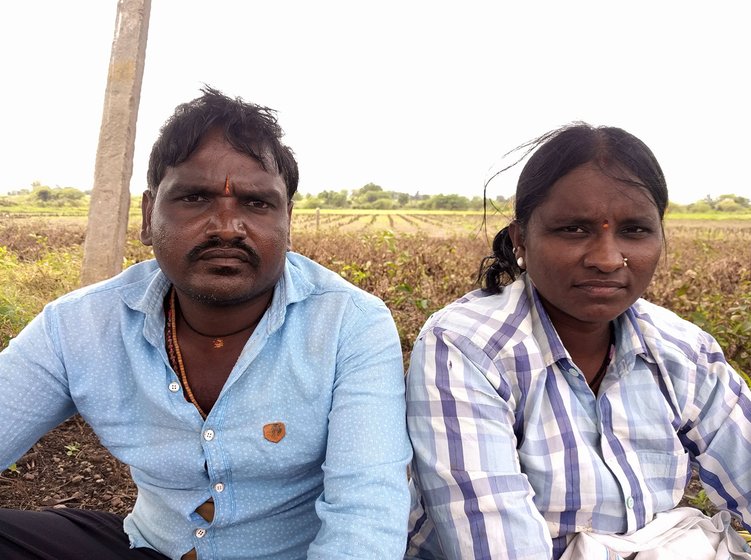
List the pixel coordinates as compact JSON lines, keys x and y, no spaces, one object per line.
{"x":72,"y":449}
{"x":700,"y":501}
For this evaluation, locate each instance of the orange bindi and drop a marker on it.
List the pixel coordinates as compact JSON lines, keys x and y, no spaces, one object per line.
{"x":227,"y":192}
{"x":605,"y":225}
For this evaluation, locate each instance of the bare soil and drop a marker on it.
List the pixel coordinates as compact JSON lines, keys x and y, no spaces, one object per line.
{"x":68,"y":467}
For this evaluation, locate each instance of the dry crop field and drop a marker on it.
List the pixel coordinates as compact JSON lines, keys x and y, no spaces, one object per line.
{"x":416,"y":263}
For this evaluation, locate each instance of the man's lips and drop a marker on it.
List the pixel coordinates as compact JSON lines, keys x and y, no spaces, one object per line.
{"x":224,"y":255}
{"x":215,"y":253}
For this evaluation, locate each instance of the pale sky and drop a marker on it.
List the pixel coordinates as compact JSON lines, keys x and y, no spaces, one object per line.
{"x":421,"y":95}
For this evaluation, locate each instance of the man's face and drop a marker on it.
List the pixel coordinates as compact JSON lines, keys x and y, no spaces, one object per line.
{"x":219,"y":225}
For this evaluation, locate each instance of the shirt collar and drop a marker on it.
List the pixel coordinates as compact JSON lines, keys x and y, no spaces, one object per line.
{"x":147,"y":294}
{"x":629,"y":339}
{"x":291,"y":288}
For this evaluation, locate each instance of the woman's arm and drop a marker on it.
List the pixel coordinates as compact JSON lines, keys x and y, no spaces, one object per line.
{"x":465,"y":462}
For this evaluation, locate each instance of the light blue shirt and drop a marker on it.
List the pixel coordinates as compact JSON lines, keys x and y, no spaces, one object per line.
{"x":325,"y":360}
{"x":514,"y":453}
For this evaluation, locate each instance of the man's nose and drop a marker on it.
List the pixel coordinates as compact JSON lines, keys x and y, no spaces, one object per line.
{"x":227,"y":220}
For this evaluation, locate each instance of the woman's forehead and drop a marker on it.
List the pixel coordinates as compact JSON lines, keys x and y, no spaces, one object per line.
{"x":588,"y":188}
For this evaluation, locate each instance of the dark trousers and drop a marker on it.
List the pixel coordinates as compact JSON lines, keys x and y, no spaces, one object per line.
{"x":66,"y":534}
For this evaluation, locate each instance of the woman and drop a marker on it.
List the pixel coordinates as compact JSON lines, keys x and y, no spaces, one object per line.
{"x":555,"y":402}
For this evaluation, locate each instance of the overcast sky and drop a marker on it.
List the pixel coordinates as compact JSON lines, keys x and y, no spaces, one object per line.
{"x":412,"y":95}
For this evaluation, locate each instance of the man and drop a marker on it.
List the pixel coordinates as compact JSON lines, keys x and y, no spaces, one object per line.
{"x":256,"y":396}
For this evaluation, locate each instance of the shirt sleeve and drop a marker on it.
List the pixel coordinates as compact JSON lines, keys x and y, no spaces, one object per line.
{"x":716,"y":429}
{"x":365,"y":502}
{"x":465,"y":462}
{"x":34,"y":396}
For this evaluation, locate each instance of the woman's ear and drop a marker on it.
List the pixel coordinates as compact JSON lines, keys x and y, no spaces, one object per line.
{"x":517,"y":237}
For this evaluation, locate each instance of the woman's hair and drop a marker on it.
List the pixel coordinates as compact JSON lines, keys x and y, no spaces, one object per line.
{"x":250,"y":129}
{"x":616,"y":152}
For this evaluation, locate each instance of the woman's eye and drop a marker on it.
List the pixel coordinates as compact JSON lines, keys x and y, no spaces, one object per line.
{"x":572,"y":229}
{"x":636,"y":230}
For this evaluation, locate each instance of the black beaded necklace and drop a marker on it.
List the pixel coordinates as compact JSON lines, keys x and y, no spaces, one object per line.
{"x":218,"y":341}
{"x":597,"y":379}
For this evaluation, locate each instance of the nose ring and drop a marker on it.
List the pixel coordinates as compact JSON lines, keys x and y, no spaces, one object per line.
{"x":625,"y":262}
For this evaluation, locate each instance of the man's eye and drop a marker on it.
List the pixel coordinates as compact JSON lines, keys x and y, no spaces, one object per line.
{"x":258,"y":204}
{"x":193,"y":198}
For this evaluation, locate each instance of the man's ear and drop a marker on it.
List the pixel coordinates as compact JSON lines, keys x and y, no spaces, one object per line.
{"x":147,"y":206}
{"x":290,"y":204}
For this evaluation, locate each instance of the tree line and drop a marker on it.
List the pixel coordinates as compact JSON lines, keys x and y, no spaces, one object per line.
{"x":368,"y":197}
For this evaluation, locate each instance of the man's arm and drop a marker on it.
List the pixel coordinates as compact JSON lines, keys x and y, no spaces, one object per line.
{"x":365,"y":502}
{"x":466,"y":465}
{"x":34,"y":395}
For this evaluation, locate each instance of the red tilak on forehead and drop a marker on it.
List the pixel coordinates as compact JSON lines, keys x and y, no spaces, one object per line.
{"x":226,"y":186}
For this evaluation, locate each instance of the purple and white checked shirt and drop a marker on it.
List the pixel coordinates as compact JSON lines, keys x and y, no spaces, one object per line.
{"x":514,"y":454}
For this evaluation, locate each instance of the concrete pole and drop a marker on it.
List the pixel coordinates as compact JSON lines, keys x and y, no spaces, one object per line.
{"x":104,"y":247}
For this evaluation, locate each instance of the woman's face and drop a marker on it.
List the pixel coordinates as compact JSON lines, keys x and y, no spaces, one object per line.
{"x":576,"y":241}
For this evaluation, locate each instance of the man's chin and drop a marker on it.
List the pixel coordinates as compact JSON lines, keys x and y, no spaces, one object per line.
{"x":222,"y":292}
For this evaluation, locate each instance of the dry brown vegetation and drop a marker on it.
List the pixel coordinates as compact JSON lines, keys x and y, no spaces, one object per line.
{"x":416,"y":264}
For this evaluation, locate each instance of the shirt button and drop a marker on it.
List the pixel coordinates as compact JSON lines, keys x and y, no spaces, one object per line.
{"x":630,"y":502}
{"x":573,"y":372}
{"x":200,"y":533}
{"x":219,"y":487}
{"x":174,"y":386}
{"x":208,"y":435}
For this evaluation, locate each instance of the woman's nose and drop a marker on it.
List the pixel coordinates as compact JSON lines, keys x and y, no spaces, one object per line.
{"x":604,"y":253}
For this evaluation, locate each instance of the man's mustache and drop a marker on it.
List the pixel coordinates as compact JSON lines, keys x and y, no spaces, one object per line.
{"x":215,"y":243}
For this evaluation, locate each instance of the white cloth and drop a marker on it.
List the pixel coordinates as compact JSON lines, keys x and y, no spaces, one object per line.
{"x":680,"y":534}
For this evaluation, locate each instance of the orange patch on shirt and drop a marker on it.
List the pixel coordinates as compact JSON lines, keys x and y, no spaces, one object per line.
{"x":274,"y":432}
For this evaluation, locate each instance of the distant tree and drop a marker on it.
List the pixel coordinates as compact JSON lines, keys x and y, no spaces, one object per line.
{"x":741,"y":201}
{"x":308,"y":201}
{"x":728,"y":205}
{"x":677,"y":208}
{"x":366,"y":196}
{"x":42,"y":193}
{"x":383,"y":204}
{"x":446,"y":202}
{"x":58,"y":196}
{"x":332,"y":199}
{"x":68,"y":194}
{"x":700,"y":207}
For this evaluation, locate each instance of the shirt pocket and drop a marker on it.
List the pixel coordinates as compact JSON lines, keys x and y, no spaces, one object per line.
{"x":665,"y":476}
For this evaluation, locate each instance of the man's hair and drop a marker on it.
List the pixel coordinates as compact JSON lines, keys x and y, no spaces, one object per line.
{"x":250,"y":129}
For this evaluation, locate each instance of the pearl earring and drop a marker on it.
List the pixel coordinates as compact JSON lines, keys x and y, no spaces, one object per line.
{"x":520,"y":262}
